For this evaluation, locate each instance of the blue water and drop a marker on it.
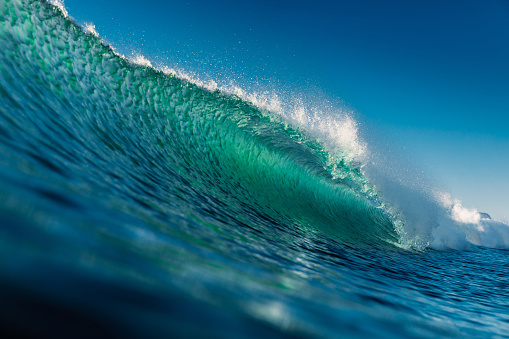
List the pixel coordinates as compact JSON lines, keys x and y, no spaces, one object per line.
{"x":136,"y":203}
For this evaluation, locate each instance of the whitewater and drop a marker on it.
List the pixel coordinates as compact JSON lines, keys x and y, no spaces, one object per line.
{"x":139,"y":201}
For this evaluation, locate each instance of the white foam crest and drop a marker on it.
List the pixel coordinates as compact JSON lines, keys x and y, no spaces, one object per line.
{"x":90,"y":28}
{"x":343,"y":132}
{"x":335,"y":128}
{"x":209,"y":85}
{"x":459,"y":213}
{"x":60,"y":5}
{"x":265,"y":100}
{"x":443,"y":223}
{"x":139,"y":59}
{"x":462,"y":226}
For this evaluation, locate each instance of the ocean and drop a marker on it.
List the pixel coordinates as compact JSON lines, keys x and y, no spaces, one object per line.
{"x":136,"y":202}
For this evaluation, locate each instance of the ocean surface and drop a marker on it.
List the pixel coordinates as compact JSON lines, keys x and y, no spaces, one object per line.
{"x":138,"y":203}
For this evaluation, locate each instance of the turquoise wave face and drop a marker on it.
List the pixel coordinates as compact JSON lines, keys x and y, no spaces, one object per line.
{"x":156,"y":141}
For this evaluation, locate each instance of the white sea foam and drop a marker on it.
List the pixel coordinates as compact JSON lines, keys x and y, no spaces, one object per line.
{"x":90,"y":28}
{"x":336,"y":128}
{"x":60,"y":5}
{"x":462,"y":226}
{"x":139,"y":59}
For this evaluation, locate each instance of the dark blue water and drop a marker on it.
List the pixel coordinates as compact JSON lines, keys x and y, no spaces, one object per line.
{"x":137,"y":204}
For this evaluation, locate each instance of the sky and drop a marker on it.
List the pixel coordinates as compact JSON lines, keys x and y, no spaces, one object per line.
{"x":432,"y":75}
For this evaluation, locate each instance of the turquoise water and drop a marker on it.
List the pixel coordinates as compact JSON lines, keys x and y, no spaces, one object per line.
{"x":136,"y":203}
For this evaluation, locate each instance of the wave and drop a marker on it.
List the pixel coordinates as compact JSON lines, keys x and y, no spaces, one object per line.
{"x":110,"y":130}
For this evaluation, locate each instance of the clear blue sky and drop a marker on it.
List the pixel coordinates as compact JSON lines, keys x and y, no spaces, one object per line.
{"x":434,"y":75}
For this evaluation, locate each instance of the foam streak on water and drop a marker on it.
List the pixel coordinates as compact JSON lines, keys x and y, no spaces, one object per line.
{"x":140,"y":202}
